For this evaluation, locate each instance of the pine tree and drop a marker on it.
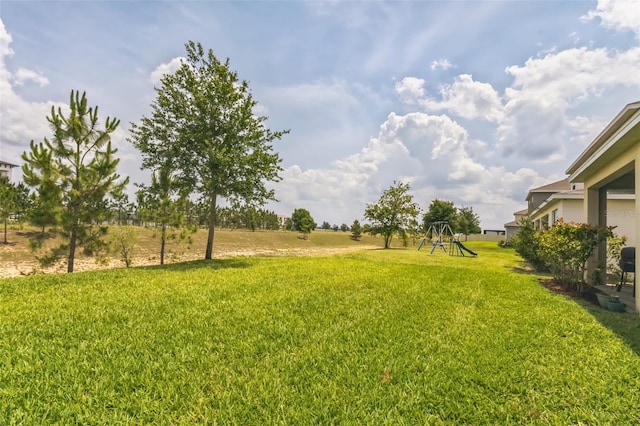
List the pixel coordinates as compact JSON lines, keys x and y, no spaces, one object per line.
{"x":75,"y":173}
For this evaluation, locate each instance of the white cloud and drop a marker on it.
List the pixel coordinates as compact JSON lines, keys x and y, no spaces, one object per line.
{"x":585,"y":129}
{"x":465,"y":98}
{"x":619,"y":15}
{"x":410,"y":89}
{"x":468,"y":99}
{"x":24,"y":75}
{"x":574,"y":74}
{"x":443,"y":64}
{"x":5,"y":41}
{"x":537,"y":121}
{"x":20,"y":120}
{"x":166,"y":68}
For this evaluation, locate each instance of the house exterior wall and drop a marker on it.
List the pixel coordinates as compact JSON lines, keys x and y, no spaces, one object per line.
{"x":569,"y":210}
{"x":5,"y":170}
{"x":621,"y":214}
{"x":510,"y":231}
{"x":595,"y":214}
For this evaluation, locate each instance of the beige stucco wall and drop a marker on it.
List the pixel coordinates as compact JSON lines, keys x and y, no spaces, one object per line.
{"x":570,"y":210}
{"x":621,"y":214}
{"x":601,"y":175}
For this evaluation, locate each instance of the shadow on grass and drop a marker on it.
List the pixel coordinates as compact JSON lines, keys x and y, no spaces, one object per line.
{"x":215,"y":264}
{"x":35,"y":234}
{"x":625,"y":325}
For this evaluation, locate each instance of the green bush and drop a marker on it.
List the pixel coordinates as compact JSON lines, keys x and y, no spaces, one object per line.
{"x":527,"y":243}
{"x":566,"y":247}
{"x":614,"y":249}
{"x":505,"y":244}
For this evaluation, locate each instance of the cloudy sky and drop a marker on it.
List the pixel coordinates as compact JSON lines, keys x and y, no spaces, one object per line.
{"x":470,"y":101}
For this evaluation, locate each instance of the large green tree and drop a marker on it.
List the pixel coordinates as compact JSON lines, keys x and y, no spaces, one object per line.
{"x":203,"y":121}
{"x":302,"y":221}
{"x":79,"y":167}
{"x":393,"y":213}
{"x":440,"y":210}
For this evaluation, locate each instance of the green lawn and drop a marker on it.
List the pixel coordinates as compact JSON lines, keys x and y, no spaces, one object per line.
{"x":374,"y":337}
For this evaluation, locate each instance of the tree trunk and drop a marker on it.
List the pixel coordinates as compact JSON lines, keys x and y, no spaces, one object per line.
{"x":162,"y":243}
{"x":5,"y":230}
{"x":72,"y":247}
{"x":212,"y":220}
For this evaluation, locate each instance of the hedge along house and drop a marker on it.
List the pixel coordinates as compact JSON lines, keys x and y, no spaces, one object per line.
{"x":606,"y":166}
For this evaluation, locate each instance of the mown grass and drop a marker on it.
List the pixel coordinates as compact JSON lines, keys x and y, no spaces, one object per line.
{"x":375,"y":337}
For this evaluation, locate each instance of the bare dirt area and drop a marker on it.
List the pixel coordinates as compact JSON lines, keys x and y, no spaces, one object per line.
{"x":18,"y":268}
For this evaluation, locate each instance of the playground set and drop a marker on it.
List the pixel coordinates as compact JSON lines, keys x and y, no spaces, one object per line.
{"x":439,"y":231}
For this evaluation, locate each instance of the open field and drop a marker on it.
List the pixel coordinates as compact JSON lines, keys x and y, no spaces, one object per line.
{"x":17,"y":259}
{"x":368,"y":337}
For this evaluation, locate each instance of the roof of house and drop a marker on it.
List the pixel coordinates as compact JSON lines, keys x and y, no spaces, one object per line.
{"x":616,"y":124}
{"x":561,"y":185}
{"x":522,"y":212}
{"x":511,"y":224}
{"x":4,"y":163}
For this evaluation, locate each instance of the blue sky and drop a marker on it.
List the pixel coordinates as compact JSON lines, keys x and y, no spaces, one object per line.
{"x":473,"y":102}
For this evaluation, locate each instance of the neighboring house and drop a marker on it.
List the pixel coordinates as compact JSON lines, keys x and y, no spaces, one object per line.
{"x":512,"y":228}
{"x":569,"y":206}
{"x":607,"y":166}
{"x":535,"y":198}
{"x":564,"y":200}
{"x":5,"y":168}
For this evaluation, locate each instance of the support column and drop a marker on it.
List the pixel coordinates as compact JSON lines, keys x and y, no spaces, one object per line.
{"x":637,"y":223}
{"x":595,"y":201}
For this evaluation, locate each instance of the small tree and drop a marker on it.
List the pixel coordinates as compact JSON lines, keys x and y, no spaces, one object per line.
{"x":8,"y":198}
{"x":123,"y":240}
{"x":467,"y":222}
{"x":393,"y":212}
{"x":47,"y":205}
{"x":79,"y":167}
{"x":159,"y":203}
{"x":325,"y":225}
{"x":614,"y":251}
{"x":302,"y":221}
{"x":344,"y":227}
{"x":356,"y":230}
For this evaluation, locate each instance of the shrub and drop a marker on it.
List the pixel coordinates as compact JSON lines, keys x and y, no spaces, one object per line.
{"x":527,"y":243}
{"x":505,"y":244}
{"x":565,"y":249}
{"x":614,"y":249}
{"x":123,"y":240}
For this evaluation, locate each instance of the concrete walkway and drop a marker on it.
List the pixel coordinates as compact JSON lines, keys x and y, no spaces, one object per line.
{"x":625,"y":294}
